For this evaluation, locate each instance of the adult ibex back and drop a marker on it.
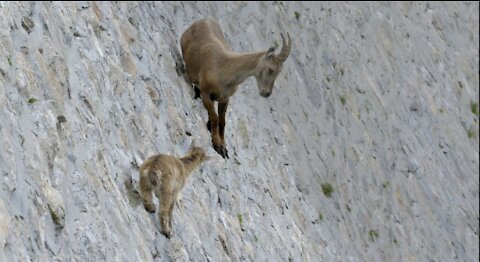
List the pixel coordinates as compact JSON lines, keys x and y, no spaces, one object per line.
{"x":217,"y":71}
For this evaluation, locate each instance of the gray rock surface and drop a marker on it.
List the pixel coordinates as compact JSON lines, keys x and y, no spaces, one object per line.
{"x":376,"y":100}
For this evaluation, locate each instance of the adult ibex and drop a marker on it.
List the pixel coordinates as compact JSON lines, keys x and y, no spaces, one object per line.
{"x":216,"y":71}
{"x":166,"y":176}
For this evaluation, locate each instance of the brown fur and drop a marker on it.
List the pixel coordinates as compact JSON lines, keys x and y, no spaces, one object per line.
{"x":211,"y":65}
{"x":166,"y":176}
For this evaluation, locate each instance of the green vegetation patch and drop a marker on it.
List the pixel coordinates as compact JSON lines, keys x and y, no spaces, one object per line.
{"x":297,"y":15}
{"x":373,"y":234}
{"x":474,"y":107}
{"x":327,"y":189}
{"x":32,"y":100}
{"x":240,"y":219}
{"x":343,"y":99}
{"x":385,"y":184}
{"x":471,"y":133}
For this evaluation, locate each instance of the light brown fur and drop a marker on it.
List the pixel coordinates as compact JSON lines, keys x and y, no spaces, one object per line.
{"x":211,"y":65}
{"x":166,"y":176}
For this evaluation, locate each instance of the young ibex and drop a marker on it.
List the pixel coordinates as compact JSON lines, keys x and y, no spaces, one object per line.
{"x":217,"y":71}
{"x":166,"y":175}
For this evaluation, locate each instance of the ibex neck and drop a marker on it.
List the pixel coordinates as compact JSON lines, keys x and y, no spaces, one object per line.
{"x":239,"y":67}
{"x":189,"y":163}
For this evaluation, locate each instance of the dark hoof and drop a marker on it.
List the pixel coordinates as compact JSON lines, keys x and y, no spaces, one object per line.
{"x":209,"y":127}
{"x":197,"y":92}
{"x":150,"y":208}
{"x":167,"y":234}
{"x":222,"y":150}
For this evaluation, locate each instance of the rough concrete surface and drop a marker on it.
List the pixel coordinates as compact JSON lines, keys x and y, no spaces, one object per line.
{"x":377,"y":102}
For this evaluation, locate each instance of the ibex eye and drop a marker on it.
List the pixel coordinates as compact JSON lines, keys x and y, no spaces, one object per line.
{"x":270,"y":71}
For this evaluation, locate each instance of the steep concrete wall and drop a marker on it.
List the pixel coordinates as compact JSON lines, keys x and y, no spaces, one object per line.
{"x":376,"y":100}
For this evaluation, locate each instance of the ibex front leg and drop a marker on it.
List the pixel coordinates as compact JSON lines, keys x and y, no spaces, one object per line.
{"x":222,"y":110}
{"x":213,"y":120}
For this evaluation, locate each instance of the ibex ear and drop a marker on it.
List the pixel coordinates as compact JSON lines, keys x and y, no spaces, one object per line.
{"x":206,"y":158}
{"x":270,"y":52}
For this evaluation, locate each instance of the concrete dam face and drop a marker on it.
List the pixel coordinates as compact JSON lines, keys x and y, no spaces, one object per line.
{"x":367,"y":148}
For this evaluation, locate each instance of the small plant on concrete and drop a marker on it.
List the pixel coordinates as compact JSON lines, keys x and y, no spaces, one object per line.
{"x":373,"y":234}
{"x":385,"y":184}
{"x":474,"y":107}
{"x":327,"y":189}
{"x":471,"y":133}
{"x":367,"y":108}
{"x":32,"y":100}
{"x":240,"y":219}
{"x":320,"y":216}
{"x":297,"y":15}
{"x":343,"y":99}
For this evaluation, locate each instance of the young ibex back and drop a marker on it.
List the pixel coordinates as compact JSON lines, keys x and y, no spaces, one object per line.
{"x":217,"y":71}
{"x":166,"y":175}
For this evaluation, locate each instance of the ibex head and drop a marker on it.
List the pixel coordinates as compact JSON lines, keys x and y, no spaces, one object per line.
{"x":197,"y":153}
{"x":270,"y":66}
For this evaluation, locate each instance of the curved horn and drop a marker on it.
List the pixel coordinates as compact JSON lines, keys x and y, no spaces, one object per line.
{"x":286,"y":47}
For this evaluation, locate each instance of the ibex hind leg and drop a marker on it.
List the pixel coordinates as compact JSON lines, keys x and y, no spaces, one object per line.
{"x":146,"y":194}
{"x":149,"y":206}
